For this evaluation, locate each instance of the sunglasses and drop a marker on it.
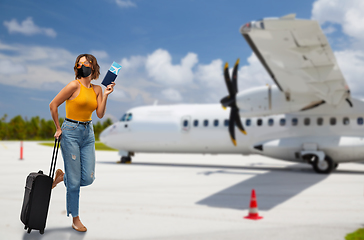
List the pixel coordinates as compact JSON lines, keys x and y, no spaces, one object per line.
{"x":85,"y":63}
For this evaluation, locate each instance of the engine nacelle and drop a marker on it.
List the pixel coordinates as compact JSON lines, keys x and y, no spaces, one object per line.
{"x":269,"y":100}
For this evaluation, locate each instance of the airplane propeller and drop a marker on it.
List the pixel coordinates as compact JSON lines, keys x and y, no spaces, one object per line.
{"x":230,"y":101}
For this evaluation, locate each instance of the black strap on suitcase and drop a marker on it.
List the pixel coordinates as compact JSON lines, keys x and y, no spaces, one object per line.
{"x":37,"y":196}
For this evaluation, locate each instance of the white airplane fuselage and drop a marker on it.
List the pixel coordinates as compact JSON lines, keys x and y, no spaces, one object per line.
{"x":337,"y":132}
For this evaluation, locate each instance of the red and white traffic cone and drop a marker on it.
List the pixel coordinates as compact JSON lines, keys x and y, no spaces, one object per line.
{"x":21,"y":150}
{"x":253,"y":209}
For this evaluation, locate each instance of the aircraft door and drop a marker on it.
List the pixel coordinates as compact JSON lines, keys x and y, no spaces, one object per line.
{"x":185,"y":123}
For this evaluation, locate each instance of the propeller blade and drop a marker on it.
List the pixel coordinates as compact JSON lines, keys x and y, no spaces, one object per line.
{"x":228,"y":81}
{"x":238,"y":121}
{"x":232,"y":126}
{"x":235,"y":76}
{"x":227,"y":101}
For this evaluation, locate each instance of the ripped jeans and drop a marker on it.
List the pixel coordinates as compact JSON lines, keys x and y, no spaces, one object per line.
{"x":78,"y":151}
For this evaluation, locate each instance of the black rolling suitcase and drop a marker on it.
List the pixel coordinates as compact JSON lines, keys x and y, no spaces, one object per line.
{"x":37,"y":196}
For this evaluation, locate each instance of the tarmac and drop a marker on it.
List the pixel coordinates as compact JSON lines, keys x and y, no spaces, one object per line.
{"x":183,"y":196}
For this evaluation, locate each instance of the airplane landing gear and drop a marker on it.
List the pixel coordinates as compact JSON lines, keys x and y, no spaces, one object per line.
{"x":325,"y":166}
{"x":125,"y":160}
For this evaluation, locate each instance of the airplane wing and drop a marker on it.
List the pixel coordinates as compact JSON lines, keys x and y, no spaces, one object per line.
{"x":297,"y":56}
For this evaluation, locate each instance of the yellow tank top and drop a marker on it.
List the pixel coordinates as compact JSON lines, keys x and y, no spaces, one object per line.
{"x":81,"y":107}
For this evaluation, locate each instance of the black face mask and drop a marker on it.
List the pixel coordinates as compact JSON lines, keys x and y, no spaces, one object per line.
{"x":84,"y":71}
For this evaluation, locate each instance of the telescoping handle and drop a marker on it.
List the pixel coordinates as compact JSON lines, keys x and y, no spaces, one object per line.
{"x":54,"y":159}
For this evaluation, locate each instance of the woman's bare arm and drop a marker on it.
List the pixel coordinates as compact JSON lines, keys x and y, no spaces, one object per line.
{"x":62,"y":96}
{"x":102,"y":99}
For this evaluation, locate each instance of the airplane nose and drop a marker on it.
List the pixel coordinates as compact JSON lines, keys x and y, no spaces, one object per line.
{"x":104,"y":135}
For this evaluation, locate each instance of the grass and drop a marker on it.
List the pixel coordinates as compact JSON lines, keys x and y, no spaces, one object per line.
{"x":98,"y":146}
{"x":357,"y":235}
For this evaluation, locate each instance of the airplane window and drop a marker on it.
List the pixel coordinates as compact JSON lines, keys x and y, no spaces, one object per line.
{"x":248,"y":122}
{"x":320,"y":121}
{"x":259,"y":122}
{"x":226,"y":123}
{"x":129,"y":117}
{"x":195,"y":123}
{"x":270,"y":122}
{"x":346,"y":121}
{"x":185,"y":123}
{"x":216,"y":122}
{"x":294,"y":121}
{"x":360,"y":121}
{"x":123,"y":117}
{"x":282,"y":121}
{"x":206,"y":123}
{"x":333,"y":121}
{"x":307,"y":121}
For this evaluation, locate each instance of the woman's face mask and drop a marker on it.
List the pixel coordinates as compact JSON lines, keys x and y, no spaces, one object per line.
{"x":84,"y":71}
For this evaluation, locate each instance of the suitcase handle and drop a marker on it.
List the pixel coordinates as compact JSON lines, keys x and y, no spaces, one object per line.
{"x":54,"y":159}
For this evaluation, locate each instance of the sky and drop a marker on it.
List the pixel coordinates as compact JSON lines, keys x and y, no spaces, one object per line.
{"x":171,"y":52}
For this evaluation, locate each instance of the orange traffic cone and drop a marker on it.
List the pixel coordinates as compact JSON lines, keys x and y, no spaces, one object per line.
{"x":253,"y":209}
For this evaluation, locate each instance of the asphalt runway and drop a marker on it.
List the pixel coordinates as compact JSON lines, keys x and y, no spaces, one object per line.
{"x":165,"y":196}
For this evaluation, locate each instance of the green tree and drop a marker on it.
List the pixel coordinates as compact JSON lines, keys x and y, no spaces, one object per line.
{"x":106,"y":123}
{"x":97,"y":130}
{"x":17,"y":128}
{"x":47,"y":129}
{"x":33,"y":128}
{"x":4,"y":128}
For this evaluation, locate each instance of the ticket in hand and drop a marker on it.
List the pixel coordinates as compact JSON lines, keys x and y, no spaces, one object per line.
{"x":111,"y":74}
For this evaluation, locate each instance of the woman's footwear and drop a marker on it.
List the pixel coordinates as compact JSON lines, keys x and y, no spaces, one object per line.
{"x":59,"y":174}
{"x":82,"y":229}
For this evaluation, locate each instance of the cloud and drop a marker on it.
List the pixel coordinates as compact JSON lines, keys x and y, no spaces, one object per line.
{"x":35,"y":67}
{"x":27,"y":27}
{"x":172,"y":95}
{"x":99,"y":54}
{"x":351,"y":62}
{"x":253,"y":74}
{"x":8,"y":67}
{"x":125,"y":3}
{"x":348,"y":14}
{"x":133,"y":63}
{"x":329,"y":30}
{"x":143,"y":78}
{"x":160,"y":68}
{"x":210,"y":75}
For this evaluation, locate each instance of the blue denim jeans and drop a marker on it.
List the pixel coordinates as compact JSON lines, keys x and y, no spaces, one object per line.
{"x":78,"y":151}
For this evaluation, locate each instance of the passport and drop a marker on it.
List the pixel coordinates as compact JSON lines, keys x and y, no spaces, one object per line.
{"x":111,"y":74}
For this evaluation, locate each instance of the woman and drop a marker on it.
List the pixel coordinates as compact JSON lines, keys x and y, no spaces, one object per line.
{"x":78,"y":140}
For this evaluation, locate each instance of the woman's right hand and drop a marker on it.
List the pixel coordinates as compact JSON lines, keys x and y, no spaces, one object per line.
{"x":58,"y":133}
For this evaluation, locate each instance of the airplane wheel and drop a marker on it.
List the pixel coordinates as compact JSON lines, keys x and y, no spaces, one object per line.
{"x":325,"y":166}
{"x":125,"y":160}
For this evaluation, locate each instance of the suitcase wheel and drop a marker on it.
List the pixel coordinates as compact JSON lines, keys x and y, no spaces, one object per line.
{"x":29,"y":230}
{"x":25,"y":227}
{"x":41,"y":231}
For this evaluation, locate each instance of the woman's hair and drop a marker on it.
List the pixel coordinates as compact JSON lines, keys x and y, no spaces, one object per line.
{"x":95,"y":73}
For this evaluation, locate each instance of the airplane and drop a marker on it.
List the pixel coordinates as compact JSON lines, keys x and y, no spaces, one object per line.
{"x":308,"y":116}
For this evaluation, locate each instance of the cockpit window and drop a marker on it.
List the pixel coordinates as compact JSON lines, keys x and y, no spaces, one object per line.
{"x":127,"y":117}
{"x":124,"y":117}
{"x":130,"y":117}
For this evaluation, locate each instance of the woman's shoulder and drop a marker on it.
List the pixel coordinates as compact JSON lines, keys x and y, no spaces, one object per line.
{"x":97,"y":88}
{"x":74,"y":84}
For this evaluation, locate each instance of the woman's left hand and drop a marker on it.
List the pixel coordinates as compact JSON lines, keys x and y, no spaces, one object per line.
{"x":109,"y":89}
